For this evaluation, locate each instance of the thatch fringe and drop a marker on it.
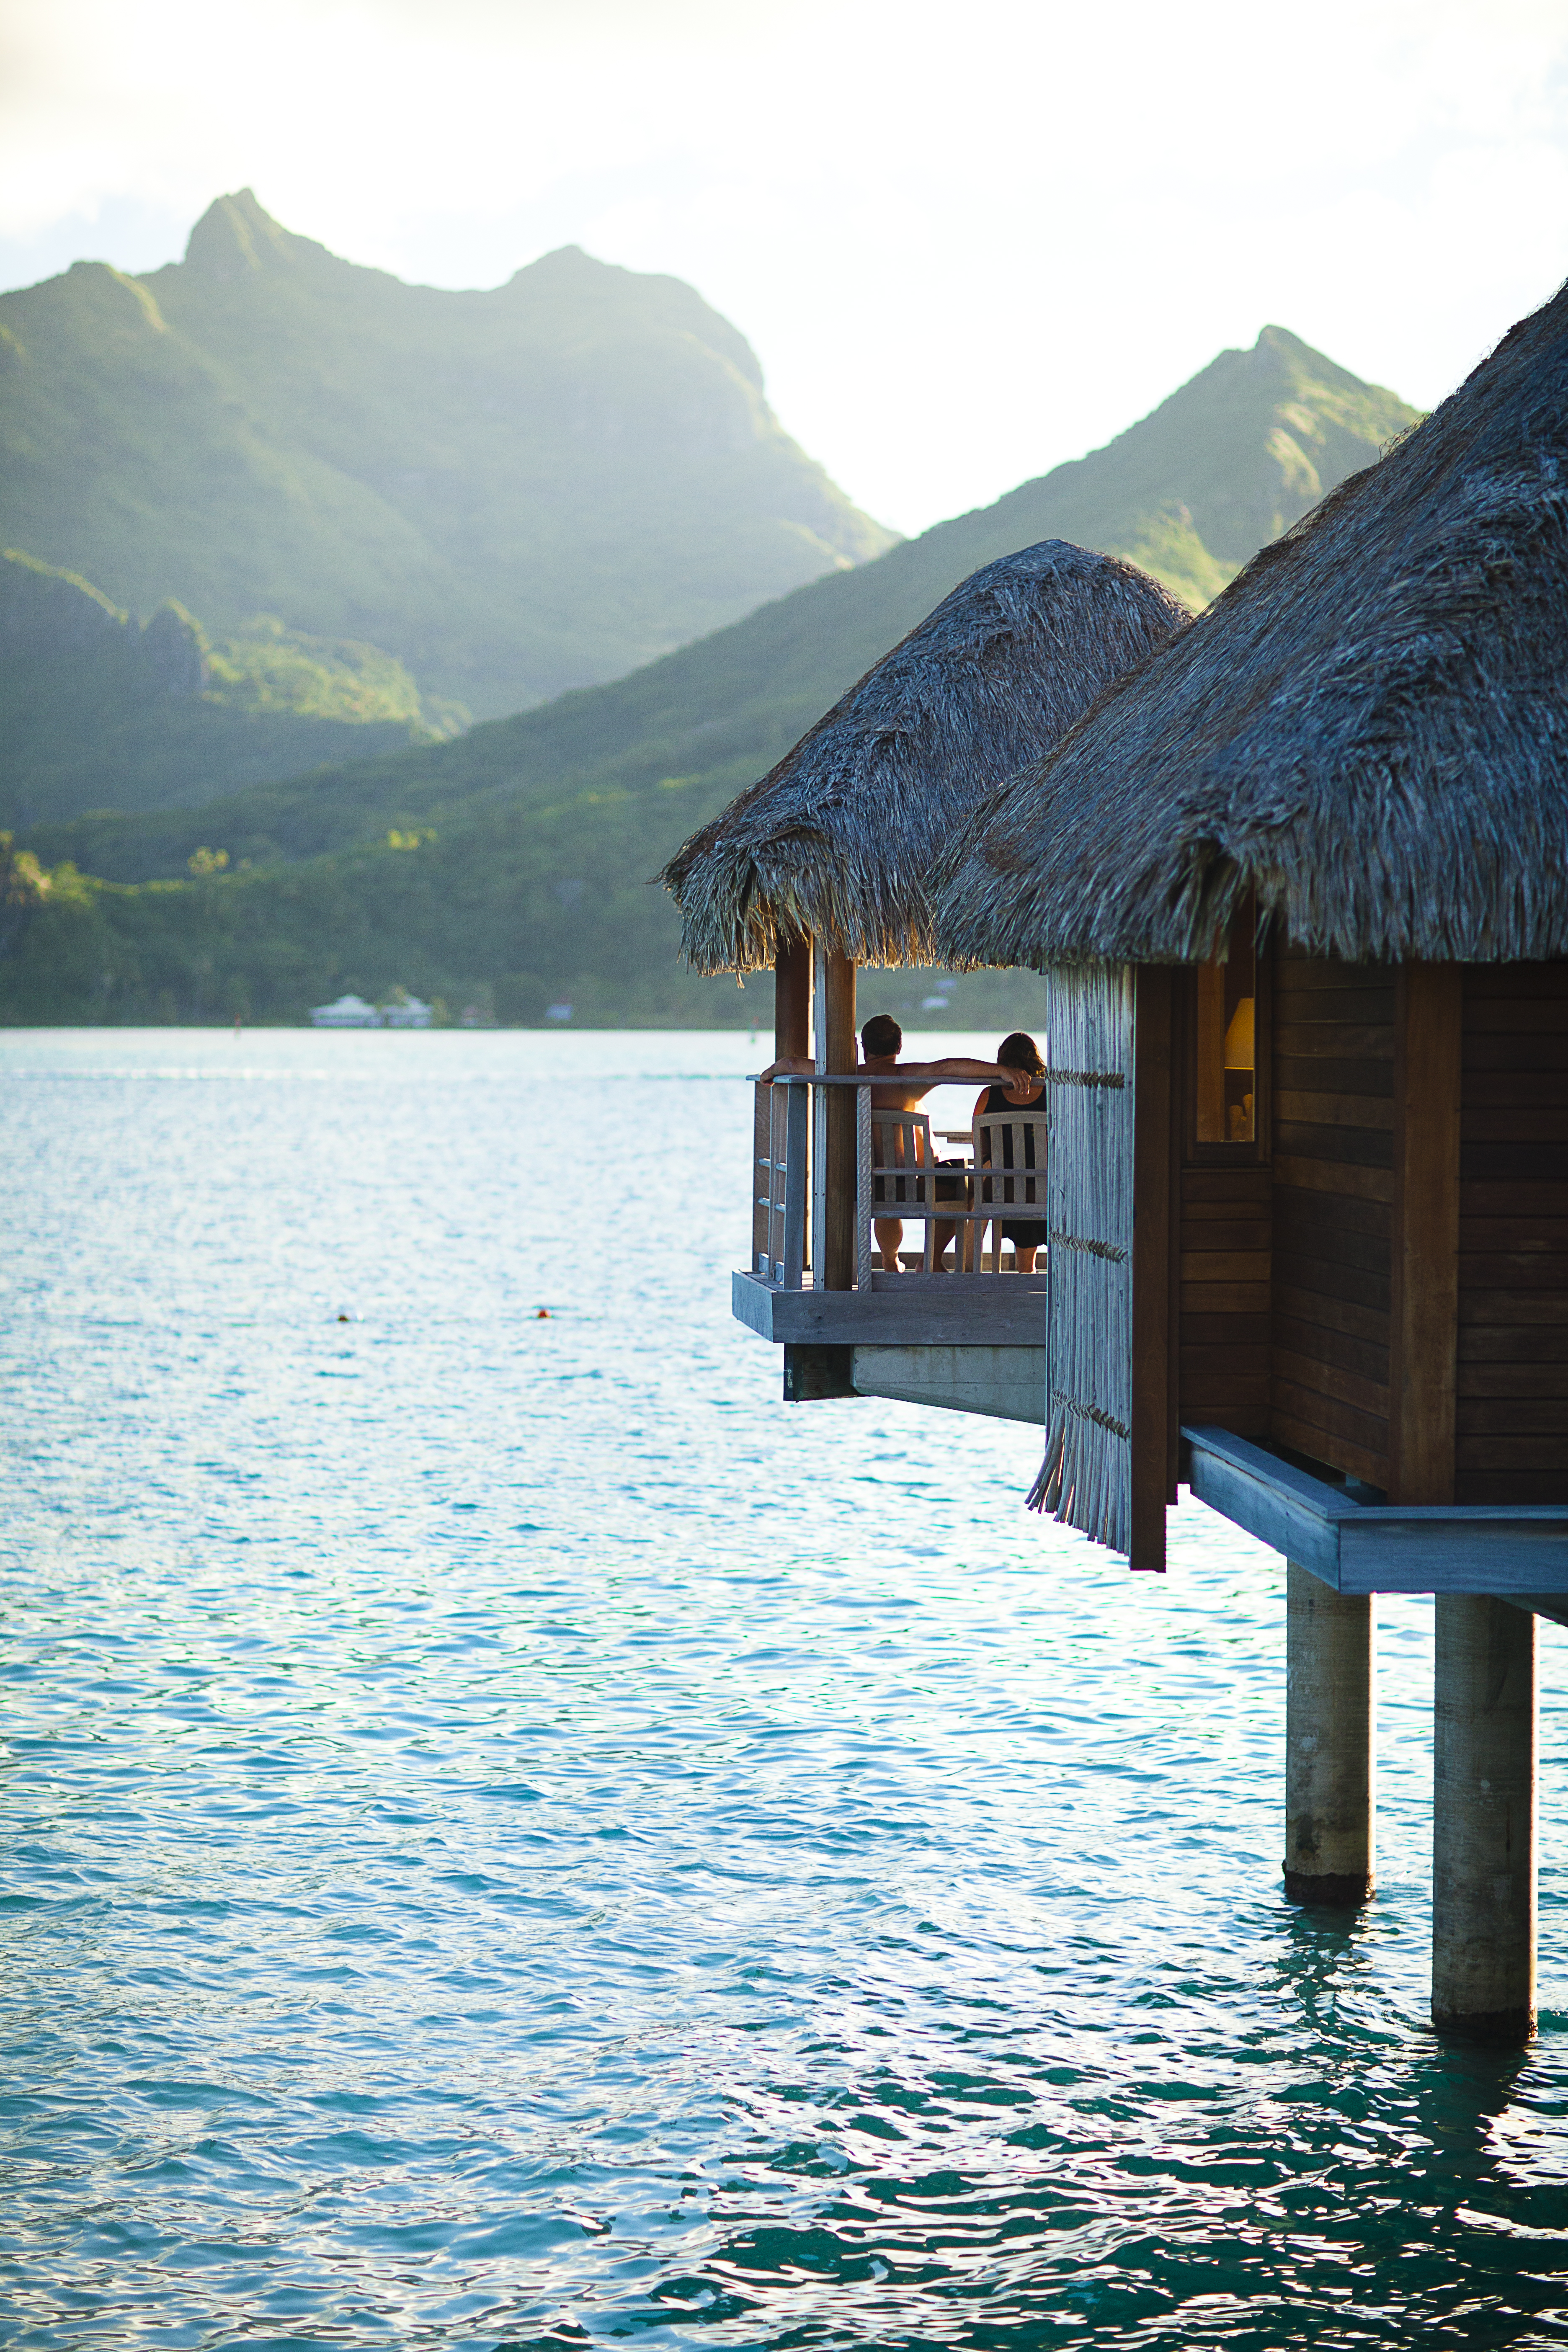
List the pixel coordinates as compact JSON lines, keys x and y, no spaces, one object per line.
{"x":1369,"y":727}
{"x":838,"y":840}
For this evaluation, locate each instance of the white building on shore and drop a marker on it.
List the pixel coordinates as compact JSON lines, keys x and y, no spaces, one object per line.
{"x":400,"y":1011}
{"x":347,"y":1012}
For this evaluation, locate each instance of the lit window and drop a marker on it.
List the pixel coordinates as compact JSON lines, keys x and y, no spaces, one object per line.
{"x":1228,"y":1052}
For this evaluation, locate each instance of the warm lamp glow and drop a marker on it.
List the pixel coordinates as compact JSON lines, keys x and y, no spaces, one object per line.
{"x":1239,"y":1037}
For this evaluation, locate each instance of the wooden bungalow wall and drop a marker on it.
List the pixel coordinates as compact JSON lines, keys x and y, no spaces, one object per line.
{"x":1288,"y":1288}
{"x":1222,"y":1260}
{"x":1333,"y":1193}
{"x":1223,"y":1270}
{"x":1512,"y":1407}
{"x":1285,"y":1248}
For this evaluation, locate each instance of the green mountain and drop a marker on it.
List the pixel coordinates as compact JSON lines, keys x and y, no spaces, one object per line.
{"x":514,"y":859}
{"x":514,"y":492}
{"x":98,"y":712}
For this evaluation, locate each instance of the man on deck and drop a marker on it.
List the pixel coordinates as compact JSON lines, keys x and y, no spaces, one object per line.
{"x":905,"y":1087}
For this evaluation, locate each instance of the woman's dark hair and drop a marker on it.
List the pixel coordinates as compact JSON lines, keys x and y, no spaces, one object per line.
{"x":881,"y":1034}
{"x":1021,"y":1052}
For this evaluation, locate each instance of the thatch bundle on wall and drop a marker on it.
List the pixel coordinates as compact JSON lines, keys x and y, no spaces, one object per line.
{"x":1369,"y":727}
{"x":1085,"y":1479}
{"x":838,"y":841}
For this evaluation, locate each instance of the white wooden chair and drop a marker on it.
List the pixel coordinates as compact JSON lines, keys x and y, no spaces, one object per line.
{"x":903,"y":1175}
{"x":1009,"y":1179}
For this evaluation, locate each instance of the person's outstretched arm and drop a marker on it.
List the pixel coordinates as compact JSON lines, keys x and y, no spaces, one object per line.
{"x":956,"y":1069}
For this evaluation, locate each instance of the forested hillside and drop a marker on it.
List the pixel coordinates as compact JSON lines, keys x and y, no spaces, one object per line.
{"x":514,"y":860}
{"x":99,"y":712}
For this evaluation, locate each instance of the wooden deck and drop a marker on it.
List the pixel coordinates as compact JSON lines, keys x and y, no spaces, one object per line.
{"x":901,"y":1311}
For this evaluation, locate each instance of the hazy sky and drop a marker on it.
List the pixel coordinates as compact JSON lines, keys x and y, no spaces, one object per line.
{"x":965,"y":243}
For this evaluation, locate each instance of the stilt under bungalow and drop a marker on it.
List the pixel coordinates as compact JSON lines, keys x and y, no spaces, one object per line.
{"x":1330,"y":1767}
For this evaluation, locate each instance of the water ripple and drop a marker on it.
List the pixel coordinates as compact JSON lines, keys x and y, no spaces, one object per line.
{"x":515,"y":1839}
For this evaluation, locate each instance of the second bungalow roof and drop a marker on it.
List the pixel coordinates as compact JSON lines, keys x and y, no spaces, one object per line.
{"x":1369,"y":727}
{"x":839,"y":840}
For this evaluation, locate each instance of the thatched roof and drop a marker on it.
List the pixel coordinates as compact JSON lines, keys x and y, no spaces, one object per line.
{"x":1369,"y":727}
{"x":838,"y":840}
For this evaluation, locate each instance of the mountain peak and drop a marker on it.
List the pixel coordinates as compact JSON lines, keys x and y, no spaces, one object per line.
{"x":563,"y":257}
{"x":566,"y":268}
{"x":236,"y":234}
{"x":1279,"y":353}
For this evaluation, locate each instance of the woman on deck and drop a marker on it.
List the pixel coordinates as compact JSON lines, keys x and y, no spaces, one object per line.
{"x":1019,"y":1057}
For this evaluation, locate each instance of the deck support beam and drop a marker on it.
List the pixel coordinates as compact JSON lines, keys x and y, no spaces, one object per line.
{"x":835,"y":1137}
{"x":1330,"y":1753}
{"x":1483,"y":1819}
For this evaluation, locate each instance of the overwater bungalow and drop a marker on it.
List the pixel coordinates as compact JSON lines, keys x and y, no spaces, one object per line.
{"x":1299,"y":887}
{"x":824,"y":865}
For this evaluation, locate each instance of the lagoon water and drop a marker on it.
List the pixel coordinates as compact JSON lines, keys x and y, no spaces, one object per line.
{"x":515,"y":1838}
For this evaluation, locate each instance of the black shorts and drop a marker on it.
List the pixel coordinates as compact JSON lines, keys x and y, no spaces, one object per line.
{"x":897,"y":1189}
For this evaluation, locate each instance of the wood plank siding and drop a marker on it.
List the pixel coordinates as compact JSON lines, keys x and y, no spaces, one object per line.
{"x":1428,"y":1029}
{"x":1512,"y":1407}
{"x":1334,"y":1034}
{"x":1225,"y":1245}
{"x":1381,"y":1286}
{"x":1223,"y":1262}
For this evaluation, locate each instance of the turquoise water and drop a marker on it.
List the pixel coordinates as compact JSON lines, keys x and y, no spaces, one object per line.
{"x":515,"y":1837}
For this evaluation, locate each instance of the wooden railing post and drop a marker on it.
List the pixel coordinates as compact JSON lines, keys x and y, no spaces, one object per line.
{"x":795,"y":1155}
{"x":763,"y":1190}
{"x":836,"y":1058}
{"x":780,"y":1149}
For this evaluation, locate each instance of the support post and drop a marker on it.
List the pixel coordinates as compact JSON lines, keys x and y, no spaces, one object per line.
{"x":835,"y":1126}
{"x":791,"y":999}
{"x":1330,"y":1753}
{"x":1483,"y":1821}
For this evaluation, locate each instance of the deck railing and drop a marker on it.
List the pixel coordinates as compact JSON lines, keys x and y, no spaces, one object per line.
{"x":790,"y":1205}
{"x":782,"y":1176}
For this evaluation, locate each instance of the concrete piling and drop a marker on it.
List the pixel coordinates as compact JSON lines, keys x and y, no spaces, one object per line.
{"x":1483,"y":1819}
{"x":1330,"y":1756}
